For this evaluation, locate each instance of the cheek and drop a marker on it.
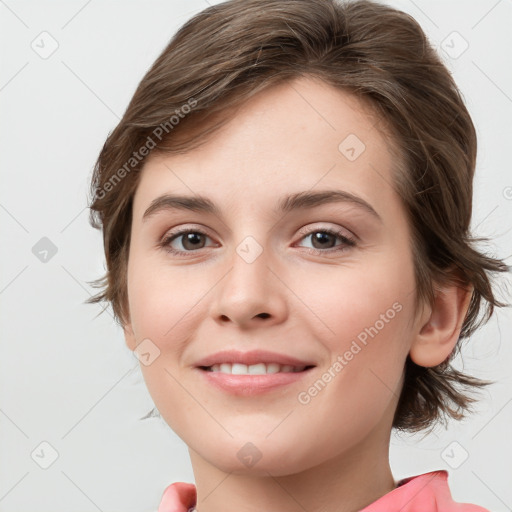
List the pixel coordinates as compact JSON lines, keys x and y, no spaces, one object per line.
{"x":367,"y":313}
{"x":362,"y":320}
{"x":164,"y":302}
{"x":165,"y":306}
{"x":357,"y":301}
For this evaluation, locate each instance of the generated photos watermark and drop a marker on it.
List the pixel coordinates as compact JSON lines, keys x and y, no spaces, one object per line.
{"x":305,"y":397}
{"x":137,"y":156}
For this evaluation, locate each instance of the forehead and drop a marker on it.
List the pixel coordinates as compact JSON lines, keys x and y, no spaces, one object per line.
{"x":292,"y":137}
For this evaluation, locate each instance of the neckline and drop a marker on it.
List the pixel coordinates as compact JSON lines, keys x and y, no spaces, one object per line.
{"x":404,"y":486}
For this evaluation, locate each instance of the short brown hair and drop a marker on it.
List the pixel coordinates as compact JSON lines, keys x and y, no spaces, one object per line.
{"x":229,"y":52}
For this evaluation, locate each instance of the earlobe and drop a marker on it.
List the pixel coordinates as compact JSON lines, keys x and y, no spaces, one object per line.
{"x":438,"y":335}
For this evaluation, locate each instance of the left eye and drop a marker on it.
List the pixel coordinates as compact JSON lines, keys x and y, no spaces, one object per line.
{"x":322,"y":240}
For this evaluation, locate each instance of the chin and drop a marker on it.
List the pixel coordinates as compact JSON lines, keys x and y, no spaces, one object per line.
{"x":256,"y":457}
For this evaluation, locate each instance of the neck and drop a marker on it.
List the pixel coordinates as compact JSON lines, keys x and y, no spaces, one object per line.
{"x":346,"y":483}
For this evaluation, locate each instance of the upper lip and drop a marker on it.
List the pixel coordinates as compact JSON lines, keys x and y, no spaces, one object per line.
{"x":251,"y":357}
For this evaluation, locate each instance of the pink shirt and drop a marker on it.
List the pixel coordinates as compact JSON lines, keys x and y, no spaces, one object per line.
{"x":422,"y":493}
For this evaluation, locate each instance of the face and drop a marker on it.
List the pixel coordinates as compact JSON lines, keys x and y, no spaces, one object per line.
{"x":327,"y":281}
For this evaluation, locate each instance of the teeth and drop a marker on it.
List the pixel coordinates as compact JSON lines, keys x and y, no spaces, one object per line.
{"x":254,"y":369}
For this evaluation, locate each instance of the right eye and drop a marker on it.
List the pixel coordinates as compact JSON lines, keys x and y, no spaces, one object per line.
{"x":189,"y":239}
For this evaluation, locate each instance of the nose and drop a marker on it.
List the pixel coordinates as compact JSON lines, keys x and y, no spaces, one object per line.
{"x":251,"y":292}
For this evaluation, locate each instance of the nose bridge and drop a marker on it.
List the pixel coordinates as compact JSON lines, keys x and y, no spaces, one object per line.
{"x":249,"y":269}
{"x":251,"y":246}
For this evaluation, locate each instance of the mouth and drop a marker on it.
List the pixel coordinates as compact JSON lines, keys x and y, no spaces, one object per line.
{"x":252,"y":380}
{"x":255,"y":369}
{"x":253,"y":372}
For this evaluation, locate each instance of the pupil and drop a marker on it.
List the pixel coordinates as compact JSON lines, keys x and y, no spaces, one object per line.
{"x":193,"y":238}
{"x":321,"y":237}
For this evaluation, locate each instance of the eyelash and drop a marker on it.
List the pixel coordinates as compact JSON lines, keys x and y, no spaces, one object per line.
{"x":347,"y":241}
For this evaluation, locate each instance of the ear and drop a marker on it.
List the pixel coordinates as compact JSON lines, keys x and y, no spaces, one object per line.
{"x":440,"y":327}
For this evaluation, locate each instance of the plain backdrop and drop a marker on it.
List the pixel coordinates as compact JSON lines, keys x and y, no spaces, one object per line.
{"x":71,"y":393}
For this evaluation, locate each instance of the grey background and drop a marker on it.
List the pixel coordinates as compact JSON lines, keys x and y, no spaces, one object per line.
{"x":66,"y":377}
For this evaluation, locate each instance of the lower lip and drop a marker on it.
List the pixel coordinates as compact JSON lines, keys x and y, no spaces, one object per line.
{"x":250,"y":385}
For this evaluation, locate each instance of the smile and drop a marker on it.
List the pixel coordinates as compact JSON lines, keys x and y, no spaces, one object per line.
{"x":252,"y":380}
{"x":253,"y":369}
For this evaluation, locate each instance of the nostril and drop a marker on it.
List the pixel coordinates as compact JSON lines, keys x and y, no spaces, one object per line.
{"x":263,"y":315}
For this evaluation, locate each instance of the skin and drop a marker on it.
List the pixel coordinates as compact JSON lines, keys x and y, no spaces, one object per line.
{"x":331,"y":453}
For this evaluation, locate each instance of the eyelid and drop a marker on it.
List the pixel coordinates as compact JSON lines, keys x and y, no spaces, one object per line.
{"x":304,"y":230}
{"x":175,"y":233}
{"x":348,"y":239}
{"x":333,"y":229}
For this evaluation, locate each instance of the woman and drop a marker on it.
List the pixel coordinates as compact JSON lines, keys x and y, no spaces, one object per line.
{"x":285,"y":208}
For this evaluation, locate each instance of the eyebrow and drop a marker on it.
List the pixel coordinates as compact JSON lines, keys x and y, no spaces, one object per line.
{"x":293,"y":202}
